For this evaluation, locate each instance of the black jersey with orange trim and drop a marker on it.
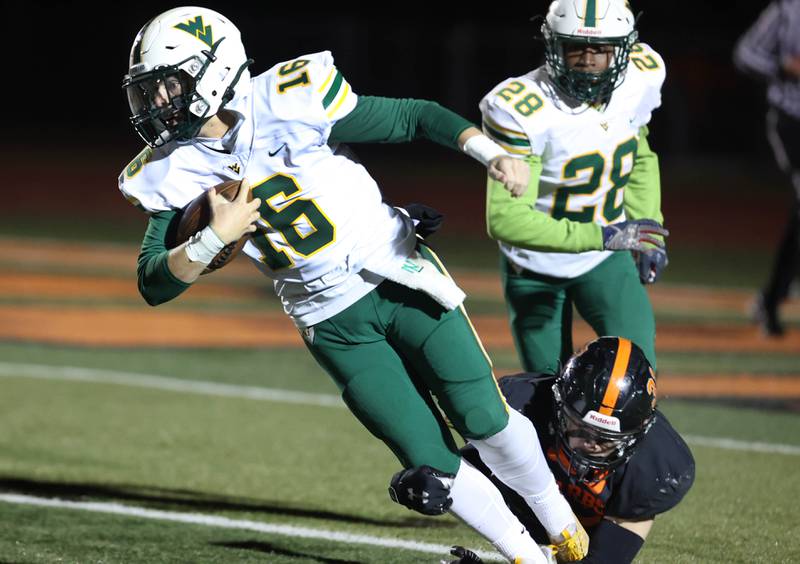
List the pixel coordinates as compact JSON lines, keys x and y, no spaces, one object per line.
{"x":652,"y":481}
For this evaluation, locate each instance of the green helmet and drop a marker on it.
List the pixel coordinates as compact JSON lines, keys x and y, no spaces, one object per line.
{"x":588,"y":22}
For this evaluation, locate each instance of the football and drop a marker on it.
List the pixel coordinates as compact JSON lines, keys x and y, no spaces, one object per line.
{"x":197,"y":214}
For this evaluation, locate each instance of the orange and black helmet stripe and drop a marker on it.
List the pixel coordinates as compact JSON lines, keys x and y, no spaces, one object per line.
{"x":617,"y":376}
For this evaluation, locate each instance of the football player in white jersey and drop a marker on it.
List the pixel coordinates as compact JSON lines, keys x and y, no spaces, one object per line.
{"x":580,"y":121}
{"x":375,"y":307}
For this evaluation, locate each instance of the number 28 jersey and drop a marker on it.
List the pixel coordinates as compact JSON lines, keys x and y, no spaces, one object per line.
{"x":587,"y":152}
{"x":322,"y":217}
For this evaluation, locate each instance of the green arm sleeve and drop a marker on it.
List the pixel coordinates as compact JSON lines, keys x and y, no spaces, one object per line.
{"x":642,"y":198}
{"x":156,"y":283}
{"x":515,"y":220}
{"x":394,"y":120}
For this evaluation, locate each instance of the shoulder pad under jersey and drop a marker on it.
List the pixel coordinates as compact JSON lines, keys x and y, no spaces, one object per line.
{"x":165,"y":178}
{"x":517,"y":112}
{"x":646,"y":71}
{"x":308,"y":90}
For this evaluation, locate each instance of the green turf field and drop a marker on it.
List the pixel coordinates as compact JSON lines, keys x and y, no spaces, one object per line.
{"x":92,"y":436}
{"x":120,"y":455}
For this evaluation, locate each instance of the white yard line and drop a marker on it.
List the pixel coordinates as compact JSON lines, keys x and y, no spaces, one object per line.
{"x":240,"y":524}
{"x":748,"y":446}
{"x":101,"y":376}
{"x":149,"y":381}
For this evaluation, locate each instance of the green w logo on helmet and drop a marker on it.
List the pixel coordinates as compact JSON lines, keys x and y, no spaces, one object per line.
{"x":201,"y":32}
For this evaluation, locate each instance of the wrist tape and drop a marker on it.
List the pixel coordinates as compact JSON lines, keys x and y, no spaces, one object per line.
{"x":483,"y":149}
{"x":203,"y":246}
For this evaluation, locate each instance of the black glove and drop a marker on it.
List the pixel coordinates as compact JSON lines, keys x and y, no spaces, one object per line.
{"x":650,"y":263}
{"x":423,"y":489}
{"x":427,"y":220}
{"x":464,"y":555}
{"x":634,"y":235}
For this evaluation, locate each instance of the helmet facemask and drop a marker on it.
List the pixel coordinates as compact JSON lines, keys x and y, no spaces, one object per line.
{"x":185,"y":66}
{"x":171,"y":119}
{"x":585,"y":466}
{"x":605,"y":396}
{"x":586,"y":87}
{"x":583,"y":24}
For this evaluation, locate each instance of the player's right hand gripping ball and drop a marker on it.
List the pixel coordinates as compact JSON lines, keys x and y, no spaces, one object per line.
{"x":197,"y":214}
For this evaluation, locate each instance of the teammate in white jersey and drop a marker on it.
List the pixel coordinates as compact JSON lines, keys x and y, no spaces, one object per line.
{"x":373,"y":303}
{"x":580,"y":121}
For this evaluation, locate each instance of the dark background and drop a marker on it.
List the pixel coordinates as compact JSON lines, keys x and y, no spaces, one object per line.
{"x":70,"y":62}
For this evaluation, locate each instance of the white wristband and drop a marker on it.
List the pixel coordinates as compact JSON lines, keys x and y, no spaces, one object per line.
{"x":203,"y":246}
{"x":483,"y":149}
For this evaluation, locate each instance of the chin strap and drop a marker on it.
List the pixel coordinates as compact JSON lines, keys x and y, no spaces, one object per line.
{"x":229,"y":92}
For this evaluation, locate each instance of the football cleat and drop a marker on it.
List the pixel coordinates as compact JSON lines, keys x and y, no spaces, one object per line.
{"x":572,"y":544}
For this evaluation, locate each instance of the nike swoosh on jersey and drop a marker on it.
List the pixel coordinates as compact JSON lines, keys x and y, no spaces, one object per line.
{"x":276,"y":151}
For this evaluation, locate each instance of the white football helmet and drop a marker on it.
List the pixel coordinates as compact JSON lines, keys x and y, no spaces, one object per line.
{"x":597,"y":22}
{"x":185,"y":65}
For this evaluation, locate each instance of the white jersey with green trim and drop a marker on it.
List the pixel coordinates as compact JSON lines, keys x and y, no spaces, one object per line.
{"x":322,"y":216}
{"x":587,"y":152}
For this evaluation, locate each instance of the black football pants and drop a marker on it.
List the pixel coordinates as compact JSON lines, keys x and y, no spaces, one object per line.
{"x":783,"y":132}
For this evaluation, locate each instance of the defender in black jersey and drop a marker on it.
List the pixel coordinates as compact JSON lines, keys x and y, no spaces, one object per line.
{"x":616,"y":458}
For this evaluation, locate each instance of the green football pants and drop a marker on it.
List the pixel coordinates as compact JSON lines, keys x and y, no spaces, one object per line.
{"x":609,"y":297}
{"x":395,"y":354}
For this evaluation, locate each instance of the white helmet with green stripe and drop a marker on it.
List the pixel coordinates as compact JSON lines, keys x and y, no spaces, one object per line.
{"x":595,"y":22}
{"x":193,"y":59}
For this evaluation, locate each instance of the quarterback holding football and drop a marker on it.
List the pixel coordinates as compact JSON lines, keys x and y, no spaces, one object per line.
{"x":580,"y":121}
{"x":371,"y":301}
